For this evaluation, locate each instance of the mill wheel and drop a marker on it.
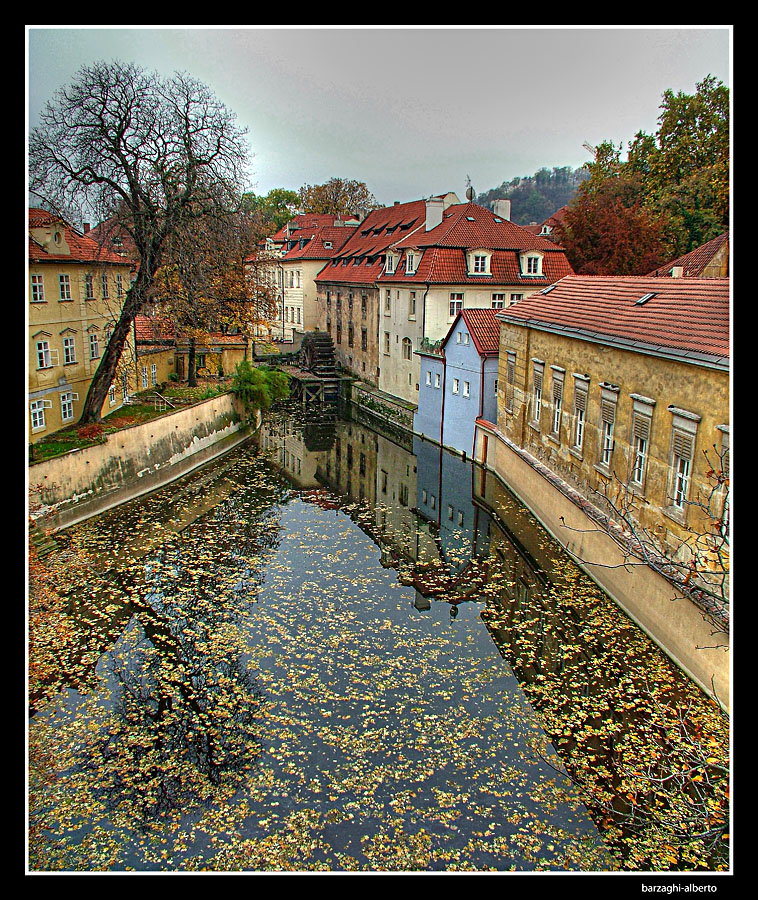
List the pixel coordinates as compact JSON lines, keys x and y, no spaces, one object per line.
{"x":317,"y":354}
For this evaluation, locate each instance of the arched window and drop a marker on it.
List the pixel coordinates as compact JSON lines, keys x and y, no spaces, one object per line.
{"x":407,"y":348}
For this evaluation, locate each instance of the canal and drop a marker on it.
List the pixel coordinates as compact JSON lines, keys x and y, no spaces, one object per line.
{"x":339,"y":648}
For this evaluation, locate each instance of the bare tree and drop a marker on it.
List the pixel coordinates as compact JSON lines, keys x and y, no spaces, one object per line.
{"x":155,"y":153}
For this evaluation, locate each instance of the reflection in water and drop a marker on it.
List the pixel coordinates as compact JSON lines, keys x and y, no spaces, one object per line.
{"x":295,"y":675}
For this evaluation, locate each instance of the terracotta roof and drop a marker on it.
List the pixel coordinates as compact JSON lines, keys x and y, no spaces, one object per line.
{"x":83,"y":248}
{"x":358,"y":261}
{"x":468,"y":225}
{"x":316,"y":240}
{"x":483,"y":327}
{"x":160,"y":330}
{"x":683,"y":318}
{"x":694,"y":263}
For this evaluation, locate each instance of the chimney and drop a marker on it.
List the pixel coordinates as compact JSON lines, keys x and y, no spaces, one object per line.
{"x":86,"y":227}
{"x":502,"y":208}
{"x":435,"y":207}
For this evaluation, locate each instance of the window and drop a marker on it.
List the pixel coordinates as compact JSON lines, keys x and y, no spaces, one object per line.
{"x":684,"y":431}
{"x":410,"y":262}
{"x":89,"y":287}
{"x":119,"y":286}
{"x":532,"y":265}
{"x":67,"y":406}
{"x":363,"y":308}
{"x":125,"y":386}
{"x":407,"y":348}
{"x":388,"y":302}
{"x":510,"y":380}
{"x":364,"y":338}
{"x":386,"y":342}
{"x":64,"y":287}
{"x":498,"y":301}
{"x":38,"y":289}
{"x":456,"y":304}
{"x":44,"y":355}
{"x":466,"y":389}
{"x":429,"y":378}
{"x":154,"y":374}
{"x":608,"y":403}
{"x":94,"y":346}
{"x":144,"y":377}
{"x":436,"y":379}
{"x":112,"y":394}
{"x":558,"y":375}
{"x":480,"y":264}
{"x":37,"y":409}
{"x":581,"y":389}
{"x":412,"y":305}
{"x":537,"y":377}
{"x":456,"y":384}
{"x":350,"y":334}
{"x":390,"y":264}
{"x":516,"y":297}
{"x":104,"y":285}
{"x":642,"y":418}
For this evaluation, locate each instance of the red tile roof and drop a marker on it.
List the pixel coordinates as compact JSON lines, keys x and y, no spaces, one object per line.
{"x":483,"y":327}
{"x":83,"y":248}
{"x":316,"y":239}
{"x":694,"y":263}
{"x":686,"y":318}
{"x":160,"y":330}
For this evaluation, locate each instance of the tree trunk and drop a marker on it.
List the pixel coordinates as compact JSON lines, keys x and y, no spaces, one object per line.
{"x":106,"y":370}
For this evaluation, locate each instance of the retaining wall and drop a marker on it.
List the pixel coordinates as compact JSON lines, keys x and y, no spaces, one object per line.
{"x":133,"y":461}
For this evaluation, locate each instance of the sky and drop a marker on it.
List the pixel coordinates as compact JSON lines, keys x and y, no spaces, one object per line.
{"x":410,"y":111}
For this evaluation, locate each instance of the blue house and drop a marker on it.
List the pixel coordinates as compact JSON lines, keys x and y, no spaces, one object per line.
{"x":459,"y":382}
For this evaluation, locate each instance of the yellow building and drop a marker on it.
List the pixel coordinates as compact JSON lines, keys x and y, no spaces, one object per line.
{"x":76,"y":291}
{"x":619,"y":386}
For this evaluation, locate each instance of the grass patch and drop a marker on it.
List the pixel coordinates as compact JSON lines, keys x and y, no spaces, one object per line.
{"x":143,"y":409}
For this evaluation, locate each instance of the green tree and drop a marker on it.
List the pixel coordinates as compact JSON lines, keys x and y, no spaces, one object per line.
{"x":268,"y":214}
{"x":155,"y":153}
{"x":259,"y":387}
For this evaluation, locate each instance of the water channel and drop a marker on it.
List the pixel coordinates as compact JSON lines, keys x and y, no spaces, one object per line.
{"x":344,"y":650}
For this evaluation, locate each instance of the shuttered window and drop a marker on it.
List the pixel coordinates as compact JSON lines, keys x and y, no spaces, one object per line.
{"x":510,"y":379}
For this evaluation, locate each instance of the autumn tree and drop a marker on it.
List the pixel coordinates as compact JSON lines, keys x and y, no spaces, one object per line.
{"x":156,"y":153}
{"x":672,"y":186}
{"x":338,"y":197}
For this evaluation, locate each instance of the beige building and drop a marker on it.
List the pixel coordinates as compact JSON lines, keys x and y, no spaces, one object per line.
{"x":623,"y":381}
{"x":76,"y":291}
{"x":613,"y":426}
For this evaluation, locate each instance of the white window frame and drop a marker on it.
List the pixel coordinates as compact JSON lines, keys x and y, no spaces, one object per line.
{"x":69,"y":350}
{"x":67,"y":406}
{"x":456,"y":384}
{"x":119,"y":285}
{"x":144,"y":378}
{"x":456,"y":303}
{"x":37,"y":410}
{"x":47,"y":356}
{"x":94,"y":346}
{"x":407,"y":348}
{"x":89,"y":286}
{"x":581,"y":399}
{"x":498,"y":301}
{"x":557,"y":391}
{"x":466,"y":389}
{"x":684,"y":427}
{"x":64,"y":287}
{"x":154,"y":374}
{"x":608,"y":410}
{"x":38,"y":288}
{"x":104,"y":285}
{"x":538,"y":376}
{"x":642,"y":425}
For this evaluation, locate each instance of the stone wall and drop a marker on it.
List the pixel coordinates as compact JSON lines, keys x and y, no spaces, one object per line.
{"x":674,"y":621}
{"x":132,"y":461}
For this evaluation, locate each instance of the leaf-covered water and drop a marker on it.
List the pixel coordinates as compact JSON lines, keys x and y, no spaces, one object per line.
{"x":338,"y":651}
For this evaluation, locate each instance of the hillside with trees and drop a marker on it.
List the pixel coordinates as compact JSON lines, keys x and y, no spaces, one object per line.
{"x":536,"y":197}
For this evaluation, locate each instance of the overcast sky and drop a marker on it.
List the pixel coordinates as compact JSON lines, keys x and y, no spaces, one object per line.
{"x":411,"y":112}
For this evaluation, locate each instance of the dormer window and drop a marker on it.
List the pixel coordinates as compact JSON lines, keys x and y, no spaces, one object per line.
{"x":479,"y":262}
{"x":410,"y":262}
{"x":389,"y":264}
{"x":531,"y":263}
